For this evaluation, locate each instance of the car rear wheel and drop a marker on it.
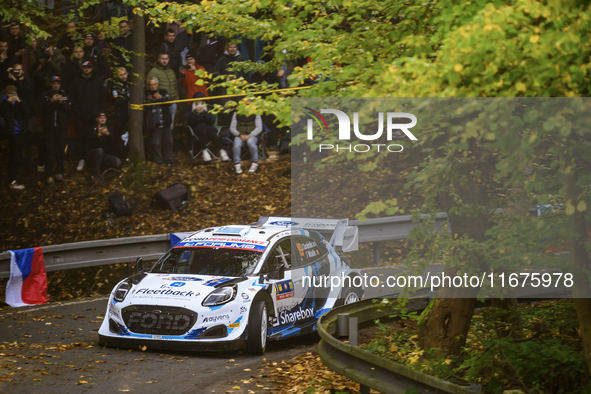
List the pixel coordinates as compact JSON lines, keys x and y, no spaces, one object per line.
{"x":257,"y":328}
{"x":351,"y":295}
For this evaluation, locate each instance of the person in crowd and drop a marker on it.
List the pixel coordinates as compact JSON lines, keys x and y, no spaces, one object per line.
{"x":25,"y":88}
{"x":5,"y":63}
{"x":116,"y":11}
{"x":211,"y":48}
{"x":12,"y":111}
{"x":32,"y":56}
{"x":189,"y":78}
{"x":222,"y":67}
{"x":72,"y":68}
{"x":122,"y":44}
{"x":167,"y":80}
{"x":87,"y":97}
{"x":158,"y":121}
{"x":183,"y":39}
{"x":67,"y":41}
{"x":16,"y":44}
{"x":120,"y":96}
{"x":246,"y":130}
{"x":202,"y":124}
{"x":95,"y":53}
{"x":55,"y":107}
{"x":50,"y":64}
{"x":173,"y":51}
{"x":100,"y":140}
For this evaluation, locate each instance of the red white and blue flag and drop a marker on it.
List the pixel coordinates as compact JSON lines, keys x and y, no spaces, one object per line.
{"x":28,"y":281}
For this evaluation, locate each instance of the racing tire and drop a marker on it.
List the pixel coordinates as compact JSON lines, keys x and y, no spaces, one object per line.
{"x":351,"y":295}
{"x":258,"y":324}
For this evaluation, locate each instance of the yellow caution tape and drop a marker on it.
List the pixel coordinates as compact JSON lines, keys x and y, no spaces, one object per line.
{"x":140,"y":107}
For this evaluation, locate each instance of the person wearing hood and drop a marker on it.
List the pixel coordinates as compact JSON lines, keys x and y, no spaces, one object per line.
{"x":202,"y":124}
{"x":166,"y":79}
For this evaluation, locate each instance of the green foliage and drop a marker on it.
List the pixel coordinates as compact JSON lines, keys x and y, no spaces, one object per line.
{"x":548,"y":360}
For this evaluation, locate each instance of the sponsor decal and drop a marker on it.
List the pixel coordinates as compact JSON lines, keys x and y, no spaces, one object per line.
{"x":177,"y":284}
{"x":229,"y":230}
{"x":243,"y":309}
{"x":300,"y":314}
{"x":245,"y":296}
{"x":213,"y":282}
{"x":159,"y":320}
{"x":283,"y":223}
{"x":225,"y":245}
{"x":214,"y":319}
{"x":225,"y":239}
{"x":167,"y":292}
{"x":234,"y":325}
{"x":183,"y":278}
{"x":284,"y":287}
{"x":284,"y":296}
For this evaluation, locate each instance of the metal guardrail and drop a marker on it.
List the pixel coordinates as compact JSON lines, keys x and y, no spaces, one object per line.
{"x":368,"y":369}
{"x":101,"y":252}
{"x":152,"y":247}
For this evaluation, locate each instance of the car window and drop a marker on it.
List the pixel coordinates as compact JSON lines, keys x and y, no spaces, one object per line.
{"x":308,"y":251}
{"x":280,"y":256}
{"x":208,"y":261}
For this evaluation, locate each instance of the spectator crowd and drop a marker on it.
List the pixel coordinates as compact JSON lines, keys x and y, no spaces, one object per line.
{"x":71,"y":97}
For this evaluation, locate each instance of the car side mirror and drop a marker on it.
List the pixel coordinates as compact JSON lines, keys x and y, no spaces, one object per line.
{"x":262,"y":279}
{"x":139,"y":265}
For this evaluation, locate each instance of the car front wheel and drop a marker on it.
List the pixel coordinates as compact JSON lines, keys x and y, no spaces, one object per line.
{"x":351,"y":295}
{"x":257,"y":328}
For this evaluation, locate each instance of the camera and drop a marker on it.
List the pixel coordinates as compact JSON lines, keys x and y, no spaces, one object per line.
{"x":15,"y":72}
{"x":45,"y":51}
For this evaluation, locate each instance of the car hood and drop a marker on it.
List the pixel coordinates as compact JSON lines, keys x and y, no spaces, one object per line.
{"x":175,"y":289}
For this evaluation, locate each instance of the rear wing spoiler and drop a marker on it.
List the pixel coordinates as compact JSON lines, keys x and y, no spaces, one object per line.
{"x":343,"y":237}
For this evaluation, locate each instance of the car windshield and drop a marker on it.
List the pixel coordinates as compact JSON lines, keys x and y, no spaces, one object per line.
{"x":208,"y":261}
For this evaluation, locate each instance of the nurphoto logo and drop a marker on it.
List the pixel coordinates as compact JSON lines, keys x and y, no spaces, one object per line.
{"x":393,"y":130}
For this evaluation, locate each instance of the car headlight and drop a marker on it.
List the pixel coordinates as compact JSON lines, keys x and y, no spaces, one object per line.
{"x":121,"y":291}
{"x":220,"y":296}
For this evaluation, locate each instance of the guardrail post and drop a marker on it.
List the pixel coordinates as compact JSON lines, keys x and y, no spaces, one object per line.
{"x":354,"y":341}
{"x":342,"y":325}
{"x":376,"y":254}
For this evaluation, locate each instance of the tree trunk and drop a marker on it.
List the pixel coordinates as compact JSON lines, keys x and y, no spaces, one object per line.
{"x":445,"y":326}
{"x":578,"y":252}
{"x":136,"y":116}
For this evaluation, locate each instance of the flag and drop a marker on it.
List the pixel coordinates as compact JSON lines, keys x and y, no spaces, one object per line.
{"x":28,"y":281}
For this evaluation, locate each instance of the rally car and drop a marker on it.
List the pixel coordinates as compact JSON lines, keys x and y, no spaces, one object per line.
{"x":232,"y":287}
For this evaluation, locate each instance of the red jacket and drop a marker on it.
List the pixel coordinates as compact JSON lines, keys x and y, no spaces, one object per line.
{"x":189,"y":79}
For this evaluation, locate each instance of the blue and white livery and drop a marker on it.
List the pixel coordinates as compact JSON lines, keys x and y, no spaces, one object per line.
{"x":231,"y":287}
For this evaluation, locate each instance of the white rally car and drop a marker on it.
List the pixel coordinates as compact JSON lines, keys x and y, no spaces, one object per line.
{"x":226,"y":288}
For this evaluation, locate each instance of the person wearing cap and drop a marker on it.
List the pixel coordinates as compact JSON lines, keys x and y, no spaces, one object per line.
{"x":159,"y":122}
{"x":88,"y":96}
{"x":166,"y":80}
{"x":12,"y":111}
{"x":190,"y":79}
{"x":100,"y":142}
{"x":55,"y":107}
{"x":95,"y":53}
{"x":202,"y":124}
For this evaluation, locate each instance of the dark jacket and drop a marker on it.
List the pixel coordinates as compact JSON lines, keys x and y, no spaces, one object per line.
{"x":14,"y":117}
{"x":210,"y":50}
{"x":95,"y":55}
{"x":97,"y":140}
{"x":15,"y":45}
{"x":120,"y":45}
{"x":42,"y":76}
{"x":160,"y":114}
{"x":55,"y":114}
{"x":26,"y":91}
{"x":71,"y":70}
{"x":223,"y":64}
{"x":195,"y":118}
{"x":120,"y":97}
{"x":88,"y":97}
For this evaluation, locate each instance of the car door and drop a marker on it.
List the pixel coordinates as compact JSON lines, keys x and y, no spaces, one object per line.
{"x":310,"y":272}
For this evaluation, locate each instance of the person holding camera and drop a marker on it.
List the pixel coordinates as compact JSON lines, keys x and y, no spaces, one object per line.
{"x":15,"y":127}
{"x":100,"y":141}
{"x":55,"y":108}
{"x":49,"y":65}
{"x":189,"y":77}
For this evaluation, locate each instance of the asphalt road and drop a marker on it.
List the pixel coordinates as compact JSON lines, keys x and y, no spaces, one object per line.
{"x":54,"y":349}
